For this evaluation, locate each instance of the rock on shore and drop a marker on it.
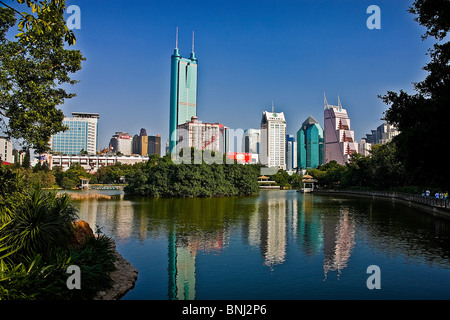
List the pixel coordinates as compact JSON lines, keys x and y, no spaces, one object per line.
{"x":123,"y":278}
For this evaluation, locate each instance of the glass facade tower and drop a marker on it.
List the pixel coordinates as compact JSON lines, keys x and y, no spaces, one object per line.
{"x":183,"y":92}
{"x":310,"y":144}
{"x":81,"y":134}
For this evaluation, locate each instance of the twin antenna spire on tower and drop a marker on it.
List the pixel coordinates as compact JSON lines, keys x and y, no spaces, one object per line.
{"x":325,"y":102}
{"x":176,"y":40}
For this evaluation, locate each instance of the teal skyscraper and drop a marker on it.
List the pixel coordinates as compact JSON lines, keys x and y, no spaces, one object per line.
{"x":310,"y":144}
{"x":183,"y":91}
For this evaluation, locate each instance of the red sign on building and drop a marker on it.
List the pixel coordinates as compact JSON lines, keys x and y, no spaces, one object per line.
{"x":241,"y":157}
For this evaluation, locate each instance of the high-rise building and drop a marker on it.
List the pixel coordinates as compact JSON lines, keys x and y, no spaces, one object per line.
{"x":202,"y":136}
{"x":251,"y":141}
{"x":6,"y":150}
{"x":154,"y":145}
{"x":383,"y":134}
{"x":183,"y":91}
{"x":122,"y":142}
{"x":273,"y":139}
{"x":291,"y":153}
{"x":339,"y":138}
{"x":140,"y":143}
{"x":310,"y":144}
{"x":81,"y":134}
{"x":364,"y":147}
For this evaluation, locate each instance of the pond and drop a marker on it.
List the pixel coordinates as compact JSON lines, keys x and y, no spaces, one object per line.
{"x":278,"y":245}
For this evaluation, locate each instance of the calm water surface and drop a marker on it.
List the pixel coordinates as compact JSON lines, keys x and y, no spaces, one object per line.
{"x":279,"y":245}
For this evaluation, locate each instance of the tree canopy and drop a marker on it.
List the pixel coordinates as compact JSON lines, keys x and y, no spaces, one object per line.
{"x":422,"y":117}
{"x":35,"y":65}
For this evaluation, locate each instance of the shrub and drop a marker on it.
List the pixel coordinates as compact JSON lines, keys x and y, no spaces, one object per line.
{"x":42,"y":223}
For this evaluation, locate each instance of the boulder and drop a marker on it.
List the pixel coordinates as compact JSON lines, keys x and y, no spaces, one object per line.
{"x":82,"y":232}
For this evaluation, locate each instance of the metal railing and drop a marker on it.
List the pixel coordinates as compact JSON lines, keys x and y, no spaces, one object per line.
{"x":427,"y":200}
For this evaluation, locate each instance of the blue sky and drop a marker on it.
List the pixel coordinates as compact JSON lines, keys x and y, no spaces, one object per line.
{"x":249,"y":53}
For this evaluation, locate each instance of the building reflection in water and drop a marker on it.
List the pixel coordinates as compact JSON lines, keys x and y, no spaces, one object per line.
{"x":118,"y":216}
{"x":268,"y":222}
{"x":183,"y":249}
{"x":192,"y":231}
{"x":272,"y":230}
{"x":181,"y":270}
{"x":339,"y":240}
{"x":309,"y":230}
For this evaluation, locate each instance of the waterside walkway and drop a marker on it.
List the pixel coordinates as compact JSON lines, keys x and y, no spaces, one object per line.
{"x":437,"y":206}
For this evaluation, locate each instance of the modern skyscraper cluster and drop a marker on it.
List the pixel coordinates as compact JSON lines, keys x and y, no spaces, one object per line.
{"x":273,"y":147}
{"x":314,"y":145}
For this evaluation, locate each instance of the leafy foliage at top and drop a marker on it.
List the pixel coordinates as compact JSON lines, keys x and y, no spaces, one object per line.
{"x":33,"y":69}
{"x":422,"y":117}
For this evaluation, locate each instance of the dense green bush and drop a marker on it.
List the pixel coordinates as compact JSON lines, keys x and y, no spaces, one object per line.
{"x":162,"y":178}
{"x":43,"y":221}
{"x":35,"y":231}
{"x":96,"y":261}
{"x":38,"y":279}
{"x":380,"y":170}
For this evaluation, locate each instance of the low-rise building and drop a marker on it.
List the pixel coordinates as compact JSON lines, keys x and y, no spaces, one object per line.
{"x":90,"y":163}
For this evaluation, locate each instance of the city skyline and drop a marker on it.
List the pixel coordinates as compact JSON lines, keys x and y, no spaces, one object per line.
{"x":250,"y":55}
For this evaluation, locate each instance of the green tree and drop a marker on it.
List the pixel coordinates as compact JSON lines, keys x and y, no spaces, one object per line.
{"x":388,"y":171}
{"x":12,"y":190}
{"x":359,"y":171}
{"x":281,"y":178}
{"x":67,"y":183}
{"x":330,"y":175}
{"x":421,"y":117}
{"x":26,"y":163}
{"x":166,"y":179}
{"x":75,"y":172}
{"x":35,"y":68}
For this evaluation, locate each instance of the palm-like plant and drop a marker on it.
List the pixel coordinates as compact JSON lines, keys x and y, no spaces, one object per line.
{"x":42,"y":223}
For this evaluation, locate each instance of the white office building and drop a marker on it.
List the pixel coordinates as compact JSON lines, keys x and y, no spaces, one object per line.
{"x":6,"y":150}
{"x":273,"y":140}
